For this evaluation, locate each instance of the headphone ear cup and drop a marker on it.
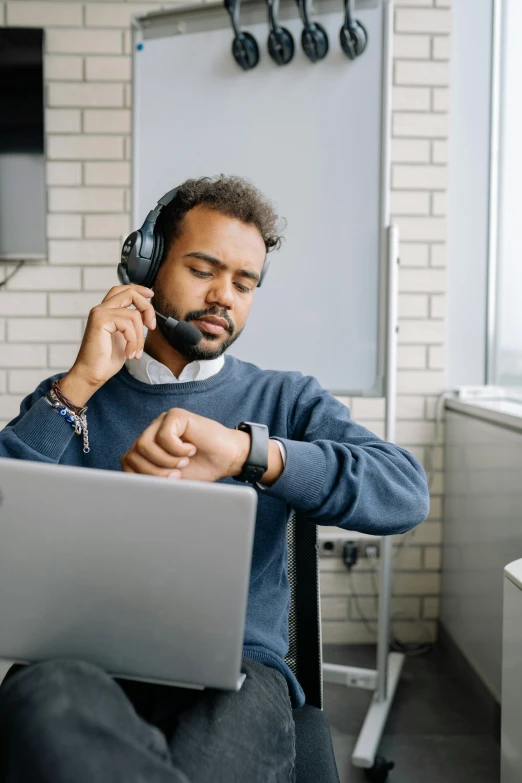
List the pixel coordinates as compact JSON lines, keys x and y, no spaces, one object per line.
{"x":155,"y":261}
{"x":132,"y":265}
{"x":245,"y":51}
{"x":281,"y":46}
{"x":362,"y":38}
{"x":314,"y":40}
{"x":354,"y":40}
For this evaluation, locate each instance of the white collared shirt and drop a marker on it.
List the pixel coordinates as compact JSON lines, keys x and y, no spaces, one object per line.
{"x":149,"y":370}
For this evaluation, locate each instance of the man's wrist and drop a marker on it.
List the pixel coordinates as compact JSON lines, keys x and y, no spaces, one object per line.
{"x":243,"y":444}
{"x":76,"y":388}
{"x":275,"y":464}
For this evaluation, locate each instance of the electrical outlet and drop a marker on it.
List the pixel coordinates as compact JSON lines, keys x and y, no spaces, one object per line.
{"x":331,"y":548}
{"x":334,"y":547}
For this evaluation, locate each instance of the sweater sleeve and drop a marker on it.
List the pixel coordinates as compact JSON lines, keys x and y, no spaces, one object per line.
{"x":38,"y":433}
{"x":338,"y":473}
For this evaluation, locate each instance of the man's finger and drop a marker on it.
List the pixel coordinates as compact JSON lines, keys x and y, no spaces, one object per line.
{"x":141,"y":465}
{"x":137,"y":296}
{"x":153,"y":453}
{"x":117,"y":289}
{"x":170,"y":432}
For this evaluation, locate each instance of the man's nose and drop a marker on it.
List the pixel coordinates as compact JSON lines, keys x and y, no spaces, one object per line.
{"x":221,"y":293}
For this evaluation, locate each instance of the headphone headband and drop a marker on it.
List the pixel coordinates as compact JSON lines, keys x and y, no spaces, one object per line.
{"x":168,"y":197}
{"x":142,"y":251}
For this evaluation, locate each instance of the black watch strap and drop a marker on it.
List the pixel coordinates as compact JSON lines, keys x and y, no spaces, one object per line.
{"x":257,"y":462}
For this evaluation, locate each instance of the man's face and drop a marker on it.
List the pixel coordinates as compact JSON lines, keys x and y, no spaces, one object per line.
{"x":209,"y":277}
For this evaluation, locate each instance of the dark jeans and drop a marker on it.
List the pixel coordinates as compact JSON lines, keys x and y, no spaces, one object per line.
{"x":69,"y":722}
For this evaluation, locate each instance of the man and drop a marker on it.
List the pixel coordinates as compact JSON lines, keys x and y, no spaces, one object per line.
{"x":165,"y":411}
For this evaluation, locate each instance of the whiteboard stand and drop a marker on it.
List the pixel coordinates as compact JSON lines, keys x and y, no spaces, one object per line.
{"x":385,"y":678}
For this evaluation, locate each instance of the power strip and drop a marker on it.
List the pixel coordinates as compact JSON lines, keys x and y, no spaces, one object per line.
{"x":334,"y":547}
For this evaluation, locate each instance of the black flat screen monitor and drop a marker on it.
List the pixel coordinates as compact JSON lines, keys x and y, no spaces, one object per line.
{"x":21,"y":90}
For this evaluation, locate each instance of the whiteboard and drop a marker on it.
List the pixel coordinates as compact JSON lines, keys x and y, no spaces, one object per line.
{"x":313,"y":138}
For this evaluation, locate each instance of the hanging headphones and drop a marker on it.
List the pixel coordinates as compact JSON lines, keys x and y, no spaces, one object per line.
{"x":353,"y":35}
{"x":314,"y":38}
{"x":244,"y":46}
{"x":142,"y":251}
{"x":280,"y":40}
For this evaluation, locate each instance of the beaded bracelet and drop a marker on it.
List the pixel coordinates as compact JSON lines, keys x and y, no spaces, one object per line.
{"x":76,"y":418}
{"x":66,"y":401}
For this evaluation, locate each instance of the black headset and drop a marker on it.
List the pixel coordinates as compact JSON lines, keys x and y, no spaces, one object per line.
{"x":244,"y":46}
{"x":314,"y":38}
{"x":353,"y":35}
{"x":142,"y":251}
{"x":280,"y":40}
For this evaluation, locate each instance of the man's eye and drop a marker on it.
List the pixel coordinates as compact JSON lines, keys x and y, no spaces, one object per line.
{"x":242,"y":288}
{"x":200,"y":274}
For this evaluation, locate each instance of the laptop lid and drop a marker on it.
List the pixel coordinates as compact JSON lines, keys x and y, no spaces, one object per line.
{"x":146,"y":577}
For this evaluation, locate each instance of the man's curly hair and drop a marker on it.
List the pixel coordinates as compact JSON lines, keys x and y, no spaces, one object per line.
{"x":234,"y":197}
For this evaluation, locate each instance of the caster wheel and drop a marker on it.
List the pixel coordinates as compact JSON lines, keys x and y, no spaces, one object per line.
{"x":380,"y":770}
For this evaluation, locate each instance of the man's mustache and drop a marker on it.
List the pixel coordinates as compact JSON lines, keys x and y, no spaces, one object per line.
{"x":195,"y":315}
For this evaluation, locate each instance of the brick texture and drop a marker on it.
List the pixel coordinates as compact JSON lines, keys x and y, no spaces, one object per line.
{"x":88,"y":172}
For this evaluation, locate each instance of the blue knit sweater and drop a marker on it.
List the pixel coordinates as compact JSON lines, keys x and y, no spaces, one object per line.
{"x":336,"y":473}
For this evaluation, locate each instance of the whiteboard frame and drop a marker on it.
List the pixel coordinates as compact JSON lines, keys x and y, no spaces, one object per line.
{"x":191,"y":18}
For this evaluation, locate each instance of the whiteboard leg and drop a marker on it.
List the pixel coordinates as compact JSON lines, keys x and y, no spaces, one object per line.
{"x":385,"y":565}
{"x":354,"y":677}
{"x":373,"y":726}
{"x":351,"y":676}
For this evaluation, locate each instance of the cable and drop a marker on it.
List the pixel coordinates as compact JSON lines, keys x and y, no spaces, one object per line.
{"x":408,"y":648}
{"x":350,"y":558}
{"x":12,"y":274}
{"x":355,"y":595}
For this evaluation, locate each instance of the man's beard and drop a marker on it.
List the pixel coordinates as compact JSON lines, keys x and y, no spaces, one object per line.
{"x":195,"y":352}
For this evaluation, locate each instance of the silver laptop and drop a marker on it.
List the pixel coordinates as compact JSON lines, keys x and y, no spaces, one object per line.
{"x":146,"y":577}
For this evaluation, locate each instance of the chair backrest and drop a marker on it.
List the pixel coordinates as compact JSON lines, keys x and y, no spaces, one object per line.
{"x":304,"y":624}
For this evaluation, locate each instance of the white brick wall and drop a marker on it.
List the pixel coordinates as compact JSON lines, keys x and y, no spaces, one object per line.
{"x":86,"y":199}
{"x":48,"y":14}
{"x":64,"y":174}
{"x":42,"y":309}
{"x":108,"y":69}
{"x":62,"y":68}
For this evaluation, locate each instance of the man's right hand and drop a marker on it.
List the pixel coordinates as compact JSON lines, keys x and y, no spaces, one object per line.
{"x":113,"y":334}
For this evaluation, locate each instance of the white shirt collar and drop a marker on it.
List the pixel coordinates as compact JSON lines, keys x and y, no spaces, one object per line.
{"x":149,"y":370}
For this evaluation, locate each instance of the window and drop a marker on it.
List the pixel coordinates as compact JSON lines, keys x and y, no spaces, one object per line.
{"x":505,"y":365}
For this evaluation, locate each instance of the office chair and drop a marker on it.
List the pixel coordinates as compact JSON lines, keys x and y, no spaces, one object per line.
{"x":315,"y":760}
